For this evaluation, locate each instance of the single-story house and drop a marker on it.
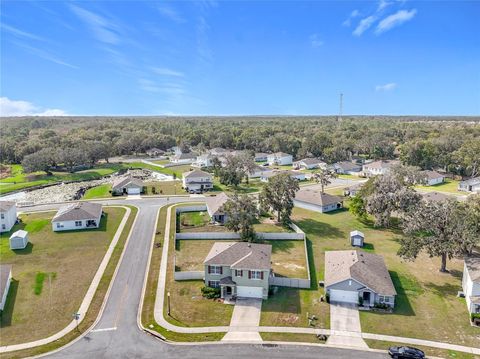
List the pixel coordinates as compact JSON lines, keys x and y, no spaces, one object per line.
{"x":197,"y":181}
{"x":239,"y":269}
{"x":433,"y":177}
{"x":219,"y":151}
{"x":279,"y":159}
{"x":357,"y":238}
{"x":127,"y":185}
{"x":5,"y":279}
{"x":266,"y":175}
{"x":19,"y":239}
{"x":8,"y":215}
{"x":347,"y":168}
{"x":378,"y":167}
{"x":258,"y":171}
{"x":155,"y":152}
{"x":205,"y":160}
{"x":215,"y":207}
{"x":471,"y":185}
{"x":357,"y":277}
{"x":315,"y":200}
{"x":309,"y":164}
{"x":79,"y":215}
{"x":177,"y":150}
{"x":353,"y":190}
{"x":471,"y":283}
{"x":261,"y":157}
{"x":184,"y":158}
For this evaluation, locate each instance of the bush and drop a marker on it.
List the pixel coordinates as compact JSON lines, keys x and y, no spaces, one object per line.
{"x":474,"y":316}
{"x":381,"y":306}
{"x":210,"y":293}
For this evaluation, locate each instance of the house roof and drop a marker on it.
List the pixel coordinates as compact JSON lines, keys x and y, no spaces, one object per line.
{"x":261,"y":154}
{"x":240,"y":255}
{"x":357,"y":233}
{"x":347,"y":165}
{"x":185,"y":156}
{"x":432,"y":175}
{"x":121,"y":182}
{"x":5,"y":270}
{"x":279,"y":154}
{"x":227,"y":281}
{"x":366,"y":268}
{"x":381,"y":164}
{"x":355,"y":187}
{"x":316,"y":197}
{"x":6,"y":205}
{"x":272,"y":173}
{"x":257,"y":168}
{"x":473,"y":266}
{"x":196,"y":174}
{"x":78,"y":211}
{"x":20,"y":233}
{"x":154,"y":149}
{"x":471,"y":181}
{"x":215,"y":203}
{"x":311,"y":161}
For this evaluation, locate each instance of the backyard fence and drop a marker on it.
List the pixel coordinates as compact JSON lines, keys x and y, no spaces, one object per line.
{"x":190,"y":275}
{"x":236,"y":236}
{"x":290,"y":282}
{"x":198,"y":208}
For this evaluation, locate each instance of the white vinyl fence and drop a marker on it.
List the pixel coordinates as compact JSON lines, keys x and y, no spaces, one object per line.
{"x":290,"y":282}
{"x":191,"y":275}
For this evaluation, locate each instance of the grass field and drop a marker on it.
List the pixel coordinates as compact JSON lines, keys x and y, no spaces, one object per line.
{"x":252,"y":187}
{"x":51,"y":275}
{"x":101,"y":191}
{"x":450,"y":186}
{"x":164,"y":188}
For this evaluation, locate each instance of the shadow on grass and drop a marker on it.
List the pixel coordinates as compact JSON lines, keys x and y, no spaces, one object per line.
{"x":311,"y":265}
{"x":7,"y":313}
{"x":320,"y":228}
{"x":444,"y":290}
{"x":27,"y":250}
{"x":368,"y":247}
{"x":402,"y":286}
{"x":338,"y":210}
{"x":456,"y":273}
{"x":281,"y":246}
{"x":101,"y":228}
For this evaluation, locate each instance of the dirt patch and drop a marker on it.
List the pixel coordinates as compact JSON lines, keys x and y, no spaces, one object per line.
{"x":5,"y":171}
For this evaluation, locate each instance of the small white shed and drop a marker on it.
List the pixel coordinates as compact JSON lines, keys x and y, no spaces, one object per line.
{"x":357,"y":238}
{"x":19,"y":239}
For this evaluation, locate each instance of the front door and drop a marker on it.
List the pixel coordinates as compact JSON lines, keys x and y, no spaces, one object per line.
{"x":229,"y":291}
{"x":366,"y":298}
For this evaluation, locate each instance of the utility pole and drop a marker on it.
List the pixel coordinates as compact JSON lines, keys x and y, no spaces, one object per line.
{"x":168,"y":298}
{"x":340,"y":110}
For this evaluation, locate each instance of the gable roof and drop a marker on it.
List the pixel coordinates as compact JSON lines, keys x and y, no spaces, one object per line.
{"x":316,"y":197}
{"x":312,"y":161}
{"x":278,"y":154}
{"x":357,"y":233}
{"x":20,"y":233}
{"x":215,"y":203}
{"x":240,"y":255}
{"x":473,"y":266}
{"x":471,"y":181}
{"x":432,"y":175}
{"x":347,"y":166}
{"x":5,"y":270}
{"x":78,"y":211}
{"x":381,"y":164}
{"x":121,"y":182}
{"x":196,"y":173}
{"x":366,"y":268}
{"x":271,"y":173}
{"x":6,"y":205}
{"x":185,"y":156}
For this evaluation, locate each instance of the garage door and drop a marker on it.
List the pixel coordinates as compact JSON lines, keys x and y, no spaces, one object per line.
{"x":133,"y":190}
{"x":250,"y":292}
{"x":344,"y":296}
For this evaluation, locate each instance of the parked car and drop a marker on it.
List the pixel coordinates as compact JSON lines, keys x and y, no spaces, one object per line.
{"x":406,"y":352}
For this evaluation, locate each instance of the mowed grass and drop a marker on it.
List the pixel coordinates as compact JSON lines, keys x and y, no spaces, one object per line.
{"x":290,"y":337}
{"x":194,"y":219}
{"x":101,"y":191}
{"x":39,"y":306}
{"x":167,"y":188}
{"x":450,"y":186}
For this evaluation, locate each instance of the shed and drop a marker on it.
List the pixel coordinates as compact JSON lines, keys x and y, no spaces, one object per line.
{"x":19,"y":239}
{"x":357,"y":238}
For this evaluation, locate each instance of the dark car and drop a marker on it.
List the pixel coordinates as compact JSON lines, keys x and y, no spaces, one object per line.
{"x":406,"y":352}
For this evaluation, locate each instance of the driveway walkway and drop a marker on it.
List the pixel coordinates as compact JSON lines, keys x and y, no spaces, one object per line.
{"x":345,"y":326}
{"x":245,"y":321}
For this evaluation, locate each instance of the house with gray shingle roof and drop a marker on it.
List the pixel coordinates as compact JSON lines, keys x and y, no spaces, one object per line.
{"x":127,"y":185}
{"x":8,"y":215}
{"x":79,"y":215}
{"x":279,"y":159}
{"x":470,"y":185}
{"x":471,"y":283}
{"x":215,"y":207}
{"x":432,"y":178}
{"x":309,"y":163}
{"x":239,"y":269}
{"x":354,"y":276}
{"x":197,"y":181}
{"x":315,"y":200}
{"x":347,"y":168}
{"x":5,"y":279}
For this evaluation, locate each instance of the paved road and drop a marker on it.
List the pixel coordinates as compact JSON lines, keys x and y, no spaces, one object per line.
{"x":128,"y":341}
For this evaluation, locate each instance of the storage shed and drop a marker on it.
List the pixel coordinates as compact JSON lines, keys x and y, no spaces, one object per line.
{"x":19,"y":239}
{"x":357,"y":238}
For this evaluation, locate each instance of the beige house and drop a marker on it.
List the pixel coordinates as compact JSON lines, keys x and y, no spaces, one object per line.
{"x":127,"y":185}
{"x":80,"y":215}
{"x":378,"y":167}
{"x":315,"y":200}
{"x":8,"y":215}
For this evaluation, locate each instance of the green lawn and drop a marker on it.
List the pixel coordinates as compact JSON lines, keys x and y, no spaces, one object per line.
{"x":51,"y":275}
{"x":194,"y":219}
{"x":101,"y":191}
{"x":291,"y":337}
{"x":253,"y":186}
{"x":164,"y":188}
{"x":450,"y":186}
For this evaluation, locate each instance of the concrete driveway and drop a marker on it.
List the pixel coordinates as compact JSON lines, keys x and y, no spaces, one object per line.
{"x":345,"y":326}
{"x":245,"y":320}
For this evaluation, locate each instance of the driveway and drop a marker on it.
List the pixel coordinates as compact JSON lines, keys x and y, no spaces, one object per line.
{"x":345,"y":326}
{"x":245,"y":320}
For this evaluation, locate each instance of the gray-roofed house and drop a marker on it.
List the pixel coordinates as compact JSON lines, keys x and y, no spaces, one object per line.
{"x":354,"y":276}
{"x":205,"y":160}
{"x":279,"y":159}
{"x":378,"y":167}
{"x":19,"y":239}
{"x":79,"y":215}
{"x":197,"y":181}
{"x":184,"y":158}
{"x":432,"y":177}
{"x":5,"y":279}
{"x":347,"y":168}
{"x":215,"y":207}
{"x":155,"y":152}
{"x":239,"y":269}
{"x":357,"y":238}
{"x":260,"y":157}
{"x":127,"y":185}
{"x":471,"y":185}
{"x":353,"y":190}
{"x":471,"y":283}
{"x":8,"y":215}
{"x":258,"y":171}
{"x":309,"y":164}
{"x":266,"y":175}
{"x":315,"y":200}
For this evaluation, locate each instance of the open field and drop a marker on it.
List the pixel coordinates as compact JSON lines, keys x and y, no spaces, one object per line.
{"x":51,"y":275}
{"x":164,"y":188}
{"x":254,"y":185}
{"x":450,"y":186}
{"x":102,"y":191}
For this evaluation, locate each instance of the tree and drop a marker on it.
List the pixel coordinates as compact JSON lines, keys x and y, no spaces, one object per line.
{"x":435,"y":227}
{"x":216,"y":166}
{"x":471,"y":223}
{"x":278,"y":195}
{"x":42,"y":160}
{"x":233,"y":172}
{"x":468,"y":157}
{"x":241,"y":212}
{"x":247,"y":162}
{"x":357,"y":207}
{"x":324,"y":177}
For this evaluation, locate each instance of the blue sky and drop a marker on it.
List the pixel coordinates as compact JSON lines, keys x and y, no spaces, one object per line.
{"x":250,"y":57}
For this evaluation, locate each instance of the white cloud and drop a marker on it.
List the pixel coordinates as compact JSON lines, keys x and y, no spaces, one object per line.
{"x":24,"y":108}
{"x":382,"y":4}
{"x":364,"y":25}
{"x":355,"y":13}
{"x":394,"y":20}
{"x":387,"y":87}
{"x":171,"y":14}
{"x":21,"y":33}
{"x":44,"y":55}
{"x":164,"y":71}
{"x":104,"y":30}
{"x":315,"y":40}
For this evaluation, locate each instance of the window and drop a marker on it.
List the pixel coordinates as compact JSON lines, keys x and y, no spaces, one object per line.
{"x":238,"y":273}
{"x":381,"y":298}
{"x":387,"y":299}
{"x":256,"y":274}
{"x":59,"y":225}
{"x":2,"y":215}
{"x":78,"y":223}
{"x":3,"y":226}
{"x":215,"y":269}
{"x":214,"y":283}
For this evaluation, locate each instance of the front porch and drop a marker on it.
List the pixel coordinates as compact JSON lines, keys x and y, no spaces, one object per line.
{"x":228,"y":289}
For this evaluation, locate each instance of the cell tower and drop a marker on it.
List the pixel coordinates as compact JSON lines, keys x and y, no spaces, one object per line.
{"x":340,"y":110}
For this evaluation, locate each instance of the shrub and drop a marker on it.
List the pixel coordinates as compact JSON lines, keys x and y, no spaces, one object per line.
{"x":381,"y":306}
{"x":474,"y":316}
{"x":210,"y":293}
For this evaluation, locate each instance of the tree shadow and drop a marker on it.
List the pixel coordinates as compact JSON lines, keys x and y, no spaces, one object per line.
{"x":336,"y":211}
{"x":320,"y":228}
{"x":7,"y":313}
{"x":281,"y":246}
{"x":368,"y":247}
{"x":456,"y":273}
{"x":402,"y":303}
{"x":444,"y":290}
{"x":311,"y":265}
{"x":27,"y":250}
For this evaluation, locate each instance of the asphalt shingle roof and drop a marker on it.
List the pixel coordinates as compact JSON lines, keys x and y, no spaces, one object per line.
{"x":215,"y":203}
{"x":196,"y":173}
{"x":78,"y":211}
{"x":316,"y":197}
{"x":121,"y":182}
{"x":240,"y":255}
{"x":473,"y":267}
{"x":6,"y":205}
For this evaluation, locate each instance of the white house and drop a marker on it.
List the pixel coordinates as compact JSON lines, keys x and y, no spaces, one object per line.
{"x":471,"y":283}
{"x":205,"y":160}
{"x":80,"y":215}
{"x":184,"y":158}
{"x":378,"y":167}
{"x":433,"y":177}
{"x":219,"y":151}
{"x":353,"y":190}
{"x":258,"y":171}
{"x":347,"y":168}
{"x":5,"y":279}
{"x":471,"y":185}
{"x":279,"y":159}
{"x":309,"y":163}
{"x":197,"y":181}
{"x":357,"y":238}
{"x":261,"y":157}
{"x":127,"y":185}
{"x":266,"y":175}
{"x":317,"y":201}
{"x":19,"y":239}
{"x":8,"y":215}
